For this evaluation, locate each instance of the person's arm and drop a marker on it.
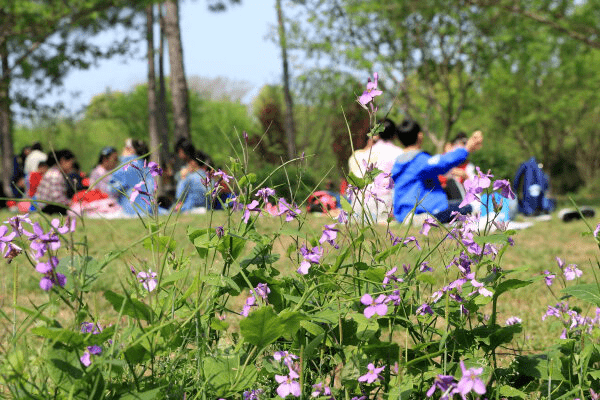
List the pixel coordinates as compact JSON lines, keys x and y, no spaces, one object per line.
{"x":441,"y":164}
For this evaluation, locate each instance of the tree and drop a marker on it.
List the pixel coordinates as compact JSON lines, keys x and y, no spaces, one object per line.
{"x":179,"y":89}
{"x":431,"y":54}
{"x":40,"y":42}
{"x":289,"y":127}
{"x":153,"y":124}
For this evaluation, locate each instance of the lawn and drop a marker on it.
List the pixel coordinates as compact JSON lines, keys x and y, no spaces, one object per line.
{"x":536,"y":249}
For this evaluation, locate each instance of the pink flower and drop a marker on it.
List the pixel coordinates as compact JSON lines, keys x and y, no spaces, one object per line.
{"x":287,"y":385}
{"x":470,"y":381}
{"x":597,"y":230}
{"x":376,"y":306}
{"x":549,"y":277}
{"x":475,"y":186}
{"x":371,"y":91}
{"x":572,"y":272}
{"x":372,"y":375}
{"x":148,"y":280}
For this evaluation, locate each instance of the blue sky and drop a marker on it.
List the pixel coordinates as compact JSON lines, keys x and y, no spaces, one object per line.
{"x":232,"y":44}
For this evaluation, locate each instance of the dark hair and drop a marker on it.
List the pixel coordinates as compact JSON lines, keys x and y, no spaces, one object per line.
{"x":389,"y":129}
{"x":186,"y":146}
{"x":55,"y":156}
{"x":37,"y":146}
{"x":460,"y":137}
{"x":408,"y":132}
{"x":105,"y":153}
{"x":140,"y":148}
{"x":202,"y":158}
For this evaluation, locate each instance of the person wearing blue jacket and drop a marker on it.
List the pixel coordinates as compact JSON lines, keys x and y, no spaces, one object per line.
{"x":191,"y":189}
{"x":134,"y":176}
{"x":415,"y":174}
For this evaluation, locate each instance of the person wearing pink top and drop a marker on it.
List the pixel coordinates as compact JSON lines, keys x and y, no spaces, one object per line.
{"x":382,"y":155}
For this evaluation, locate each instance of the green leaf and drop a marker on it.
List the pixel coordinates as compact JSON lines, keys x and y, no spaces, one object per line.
{"x":218,"y":325}
{"x":510,"y":284}
{"x":60,"y":335}
{"x":231,"y":246}
{"x":221,"y":373}
{"x":160,"y":243}
{"x":131,"y":307}
{"x":136,"y":354}
{"x":311,"y":348}
{"x":262,"y":327}
{"x":63,"y":366}
{"x":586,"y":292}
{"x":312,"y":328}
{"x":291,"y":321}
{"x":147,"y":395}
{"x":346,"y":206}
{"x":509,"y":391}
{"x":246,"y":180}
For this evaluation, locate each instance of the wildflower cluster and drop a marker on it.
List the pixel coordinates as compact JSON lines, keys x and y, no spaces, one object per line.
{"x":261,"y":291}
{"x":43,"y":246}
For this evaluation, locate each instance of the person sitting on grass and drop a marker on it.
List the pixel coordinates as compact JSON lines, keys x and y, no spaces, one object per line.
{"x":53,"y":187}
{"x":415,"y":174}
{"x":133,"y":184}
{"x":191,"y":191}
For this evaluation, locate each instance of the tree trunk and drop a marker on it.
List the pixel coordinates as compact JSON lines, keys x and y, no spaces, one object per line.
{"x":290,"y":130}
{"x":163,"y":123}
{"x":179,"y":90}
{"x":6,"y":142}
{"x":152,"y":115}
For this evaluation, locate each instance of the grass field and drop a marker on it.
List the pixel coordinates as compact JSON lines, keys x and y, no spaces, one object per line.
{"x":535,"y":248}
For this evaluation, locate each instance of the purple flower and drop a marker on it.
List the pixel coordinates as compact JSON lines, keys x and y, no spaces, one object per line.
{"x":69,"y":225}
{"x":343,"y":217}
{"x":470,"y":381}
{"x":424,"y":267}
{"x":264,"y":193}
{"x":428,"y":224}
{"x":310,"y":257}
{"x":220,"y":231}
{"x":424,"y":309}
{"x":549,"y":277}
{"x":10,"y":251}
{"x":285,"y":356}
{"x":90,"y":327}
{"x":252,"y":207}
{"x":596,"y":232}
{"x":250,"y":302}
{"x":261,"y":290}
{"x":513,"y":321}
{"x":287,"y":385}
{"x":371,"y":91}
{"x":572,"y":272}
{"x":41,"y":242}
{"x":505,"y":188}
{"x":17,"y":221}
{"x":446,"y":384}
{"x":148,"y":279}
{"x":252,"y":394}
{"x":86,"y":357}
{"x":409,"y":239}
{"x":376,"y":306}
{"x":475,"y":186}
{"x":320,"y":390}
{"x":46,"y":267}
{"x":329,"y":235}
{"x":372,"y":375}
{"x":137,"y":190}
{"x":155,"y":169}
{"x":594,"y":395}
{"x":223,"y":176}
